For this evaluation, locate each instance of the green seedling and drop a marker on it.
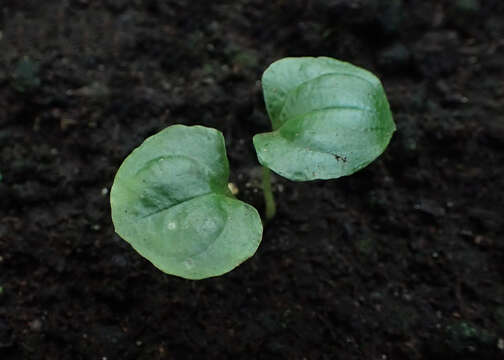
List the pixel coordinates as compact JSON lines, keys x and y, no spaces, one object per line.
{"x":170,"y":198}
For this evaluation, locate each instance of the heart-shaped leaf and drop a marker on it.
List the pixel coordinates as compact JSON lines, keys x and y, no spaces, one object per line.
{"x":171,"y":202}
{"x":329,"y":118}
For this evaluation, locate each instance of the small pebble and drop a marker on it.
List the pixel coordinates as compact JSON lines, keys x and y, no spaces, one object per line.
{"x":233,"y":188}
{"x":35,"y":325}
{"x":500,"y":344}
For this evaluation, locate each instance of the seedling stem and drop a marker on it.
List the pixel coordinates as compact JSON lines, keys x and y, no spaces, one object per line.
{"x":269,"y":200}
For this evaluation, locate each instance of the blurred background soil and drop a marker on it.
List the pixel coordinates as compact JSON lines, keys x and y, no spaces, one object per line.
{"x":403,"y":260}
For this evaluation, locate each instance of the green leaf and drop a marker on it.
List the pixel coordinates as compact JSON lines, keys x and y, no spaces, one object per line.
{"x":171,"y":202}
{"x":329,"y":118}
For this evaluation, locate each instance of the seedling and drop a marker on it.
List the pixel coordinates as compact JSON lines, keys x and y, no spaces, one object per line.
{"x":170,"y":198}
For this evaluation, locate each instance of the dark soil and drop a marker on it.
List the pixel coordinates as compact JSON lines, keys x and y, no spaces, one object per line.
{"x":403,"y":260}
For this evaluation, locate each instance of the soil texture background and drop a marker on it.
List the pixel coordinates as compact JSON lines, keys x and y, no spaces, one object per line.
{"x":403,"y":260}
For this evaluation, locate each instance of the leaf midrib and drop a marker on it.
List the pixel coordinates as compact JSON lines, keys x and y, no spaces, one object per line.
{"x":288,"y":93}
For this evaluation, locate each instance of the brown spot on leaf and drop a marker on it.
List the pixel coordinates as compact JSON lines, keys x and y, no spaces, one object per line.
{"x":340,"y":158}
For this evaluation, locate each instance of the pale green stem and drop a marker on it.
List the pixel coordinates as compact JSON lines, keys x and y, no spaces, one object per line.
{"x":269,"y":200}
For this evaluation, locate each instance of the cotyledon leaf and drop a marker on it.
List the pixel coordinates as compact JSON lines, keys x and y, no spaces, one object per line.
{"x":329,"y":118}
{"x":171,"y":202}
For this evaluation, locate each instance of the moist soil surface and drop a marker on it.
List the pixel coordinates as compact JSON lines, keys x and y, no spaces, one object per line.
{"x":402,"y":260}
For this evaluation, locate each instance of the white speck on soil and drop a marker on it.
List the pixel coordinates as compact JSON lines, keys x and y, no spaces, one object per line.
{"x":500,"y":344}
{"x":35,"y":325}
